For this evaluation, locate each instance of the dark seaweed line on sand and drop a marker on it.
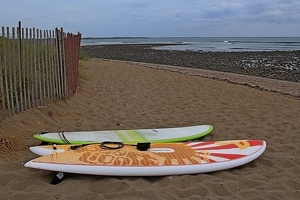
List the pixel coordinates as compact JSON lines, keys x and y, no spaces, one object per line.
{"x":260,"y":83}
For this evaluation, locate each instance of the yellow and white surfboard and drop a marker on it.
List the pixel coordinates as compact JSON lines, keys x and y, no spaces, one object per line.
{"x":159,"y":160}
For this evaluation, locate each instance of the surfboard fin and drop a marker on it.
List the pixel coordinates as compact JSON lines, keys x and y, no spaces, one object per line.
{"x":58,"y":177}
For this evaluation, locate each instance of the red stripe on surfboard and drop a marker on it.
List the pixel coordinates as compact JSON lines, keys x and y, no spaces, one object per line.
{"x":227,"y":146}
{"x":228,"y":156}
{"x":221,"y":155}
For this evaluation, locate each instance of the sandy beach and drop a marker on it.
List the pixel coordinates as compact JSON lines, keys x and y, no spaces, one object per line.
{"x":138,"y":95}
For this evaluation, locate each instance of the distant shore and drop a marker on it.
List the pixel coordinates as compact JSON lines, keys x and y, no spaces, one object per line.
{"x":281,"y":65}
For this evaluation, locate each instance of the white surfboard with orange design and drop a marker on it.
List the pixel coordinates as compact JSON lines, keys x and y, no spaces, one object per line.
{"x":159,"y":160}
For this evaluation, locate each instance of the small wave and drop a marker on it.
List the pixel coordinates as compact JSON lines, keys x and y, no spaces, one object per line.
{"x":260,"y":42}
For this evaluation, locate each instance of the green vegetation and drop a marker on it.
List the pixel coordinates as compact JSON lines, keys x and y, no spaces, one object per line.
{"x":29,"y":66}
{"x":83,"y":55}
{"x":34,"y":72}
{"x":29,"y":72}
{"x":81,"y":74}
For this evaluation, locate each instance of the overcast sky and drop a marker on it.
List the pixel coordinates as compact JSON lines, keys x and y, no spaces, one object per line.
{"x":157,"y":18}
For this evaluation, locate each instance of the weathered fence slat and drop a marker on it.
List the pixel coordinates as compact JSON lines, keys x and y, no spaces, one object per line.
{"x":11,"y":71}
{"x":32,"y":61}
{"x":6,"y":64}
{"x":3,"y":69}
{"x":27,"y":68}
{"x":52,"y":64}
{"x":47,"y":65}
{"x":23,"y":68}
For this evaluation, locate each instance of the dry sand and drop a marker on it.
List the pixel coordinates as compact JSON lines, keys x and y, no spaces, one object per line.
{"x":141,"y":97}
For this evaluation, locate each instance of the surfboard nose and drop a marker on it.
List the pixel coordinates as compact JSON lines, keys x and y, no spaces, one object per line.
{"x":28,"y":164}
{"x":44,"y":151}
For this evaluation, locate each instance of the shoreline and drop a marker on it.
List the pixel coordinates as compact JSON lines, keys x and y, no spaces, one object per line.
{"x":267,"y":64}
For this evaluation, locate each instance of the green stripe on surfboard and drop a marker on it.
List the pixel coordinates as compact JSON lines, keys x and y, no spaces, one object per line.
{"x":131,"y":136}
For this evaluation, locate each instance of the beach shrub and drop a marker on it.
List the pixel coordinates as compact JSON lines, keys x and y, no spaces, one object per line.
{"x":9,"y":146}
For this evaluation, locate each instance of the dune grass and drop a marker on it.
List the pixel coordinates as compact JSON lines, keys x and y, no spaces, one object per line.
{"x":9,"y":145}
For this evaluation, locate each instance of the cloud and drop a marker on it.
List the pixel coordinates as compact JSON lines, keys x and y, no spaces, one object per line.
{"x":222,"y":10}
{"x":156,"y":17}
{"x":278,"y":13}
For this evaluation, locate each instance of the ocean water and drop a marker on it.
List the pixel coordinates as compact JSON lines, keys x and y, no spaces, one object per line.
{"x":206,"y":43}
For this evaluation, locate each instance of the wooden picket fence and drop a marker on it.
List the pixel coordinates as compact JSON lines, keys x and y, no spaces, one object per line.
{"x":37,"y":66}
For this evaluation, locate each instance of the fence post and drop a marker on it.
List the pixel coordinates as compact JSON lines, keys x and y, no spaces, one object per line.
{"x":60,"y":63}
{"x":20,"y":68}
{"x":64,"y":79}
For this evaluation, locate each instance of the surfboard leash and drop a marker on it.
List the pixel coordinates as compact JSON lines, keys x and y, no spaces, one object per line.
{"x":141,"y":146}
{"x":110,"y":145}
